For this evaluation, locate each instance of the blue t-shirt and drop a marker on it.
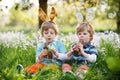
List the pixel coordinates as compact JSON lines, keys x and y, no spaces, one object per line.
{"x":89,"y":49}
{"x":58,"y":45}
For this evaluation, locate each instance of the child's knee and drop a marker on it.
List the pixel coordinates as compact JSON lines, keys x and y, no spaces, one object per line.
{"x":66,"y":67}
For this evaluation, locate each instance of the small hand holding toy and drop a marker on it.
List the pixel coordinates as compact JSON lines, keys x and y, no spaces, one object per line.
{"x":76,"y":48}
{"x":47,"y":52}
{"x":48,"y":48}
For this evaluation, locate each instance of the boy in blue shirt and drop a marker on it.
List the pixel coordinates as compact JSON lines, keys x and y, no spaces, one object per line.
{"x":49,"y":33}
{"x":46,"y":50}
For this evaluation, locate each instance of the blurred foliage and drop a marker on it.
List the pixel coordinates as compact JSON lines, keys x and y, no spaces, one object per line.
{"x":13,"y":56}
{"x":112,"y":57}
{"x":107,"y":65}
{"x":27,"y":20}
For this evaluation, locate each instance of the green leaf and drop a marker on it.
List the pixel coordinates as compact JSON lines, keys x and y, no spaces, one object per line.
{"x":113,"y":64}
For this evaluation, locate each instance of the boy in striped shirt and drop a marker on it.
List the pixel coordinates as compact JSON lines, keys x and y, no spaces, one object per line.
{"x":82,"y":53}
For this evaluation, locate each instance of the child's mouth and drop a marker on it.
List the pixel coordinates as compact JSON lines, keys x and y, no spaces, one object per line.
{"x":49,"y":38}
{"x":81,"y":40}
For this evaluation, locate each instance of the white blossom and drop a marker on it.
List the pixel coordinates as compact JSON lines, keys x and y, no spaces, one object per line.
{"x":112,"y":15}
{"x":19,"y":39}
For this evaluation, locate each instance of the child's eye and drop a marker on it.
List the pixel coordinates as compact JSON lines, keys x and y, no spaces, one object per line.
{"x":79,"y":33}
{"x":51,"y":33}
{"x":85,"y":33}
{"x":46,"y":32}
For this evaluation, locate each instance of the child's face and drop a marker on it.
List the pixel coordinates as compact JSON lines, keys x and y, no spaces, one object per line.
{"x":84,"y":37}
{"x":49,"y":35}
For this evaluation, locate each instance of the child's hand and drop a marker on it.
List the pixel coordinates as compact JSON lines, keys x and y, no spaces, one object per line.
{"x":70,"y":52}
{"x":76,"y":48}
{"x":81,"y":50}
{"x":44,"y":54}
{"x":54,"y":52}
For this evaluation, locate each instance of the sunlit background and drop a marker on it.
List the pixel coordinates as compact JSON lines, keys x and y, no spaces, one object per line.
{"x":20,"y":35}
{"x":19,"y":14}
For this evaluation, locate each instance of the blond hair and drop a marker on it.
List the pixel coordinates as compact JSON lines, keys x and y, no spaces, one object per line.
{"x":49,"y":25}
{"x":85,"y":26}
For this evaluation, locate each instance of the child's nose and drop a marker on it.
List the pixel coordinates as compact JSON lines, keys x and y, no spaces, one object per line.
{"x":81,"y":35}
{"x":49,"y":34}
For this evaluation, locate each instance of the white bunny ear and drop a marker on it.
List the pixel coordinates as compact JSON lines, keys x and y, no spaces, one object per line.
{"x":90,"y":14}
{"x":78,"y":15}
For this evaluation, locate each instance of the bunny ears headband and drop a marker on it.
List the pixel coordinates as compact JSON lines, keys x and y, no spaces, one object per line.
{"x":44,"y":17}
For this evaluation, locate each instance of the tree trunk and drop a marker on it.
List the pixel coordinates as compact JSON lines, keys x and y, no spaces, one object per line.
{"x":118,"y":20}
{"x":43,"y":5}
{"x":118,"y":26}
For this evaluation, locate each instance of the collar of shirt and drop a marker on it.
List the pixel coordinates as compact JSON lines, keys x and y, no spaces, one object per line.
{"x":87,"y":45}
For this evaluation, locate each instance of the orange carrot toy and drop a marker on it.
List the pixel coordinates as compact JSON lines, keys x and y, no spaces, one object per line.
{"x":34,"y":68}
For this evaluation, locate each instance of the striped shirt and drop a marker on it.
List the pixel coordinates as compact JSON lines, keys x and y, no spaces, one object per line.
{"x":89,"y":49}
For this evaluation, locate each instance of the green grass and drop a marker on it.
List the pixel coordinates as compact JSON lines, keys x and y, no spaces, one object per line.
{"x":102,"y":69}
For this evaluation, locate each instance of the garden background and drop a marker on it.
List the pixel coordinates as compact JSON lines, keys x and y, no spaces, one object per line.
{"x":20,"y":35}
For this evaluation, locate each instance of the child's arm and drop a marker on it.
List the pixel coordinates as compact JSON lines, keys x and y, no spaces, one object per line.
{"x":70,"y":53}
{"x":89,"y":57}
{"x":62,"y":56}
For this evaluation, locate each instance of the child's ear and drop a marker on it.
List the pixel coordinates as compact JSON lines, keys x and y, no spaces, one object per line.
{"x":42,"y":15}
{"x":42,"y":35}
{"x":91,"y":38}
{"x":52,"y":14}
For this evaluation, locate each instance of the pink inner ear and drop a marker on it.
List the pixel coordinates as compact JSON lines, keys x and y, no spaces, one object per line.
{"x":53,"y":8}
{"x":52,"y":14}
